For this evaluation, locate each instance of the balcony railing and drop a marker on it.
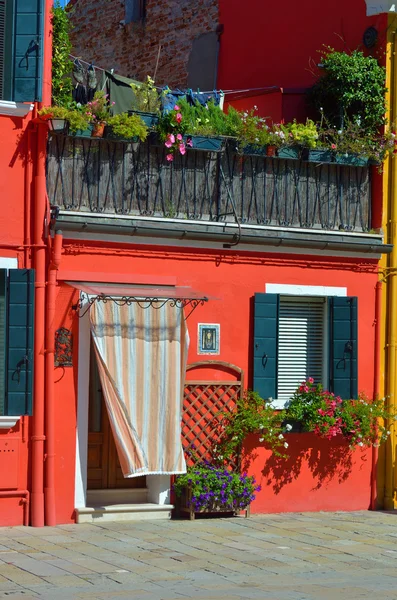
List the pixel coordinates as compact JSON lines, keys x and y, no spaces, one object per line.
{"x":100,"y":176}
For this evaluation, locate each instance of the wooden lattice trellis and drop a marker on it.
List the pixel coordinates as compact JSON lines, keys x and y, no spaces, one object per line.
{"x":204,"y":401}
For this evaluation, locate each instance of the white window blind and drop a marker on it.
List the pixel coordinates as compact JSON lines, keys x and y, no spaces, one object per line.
{"x":300,"y":343}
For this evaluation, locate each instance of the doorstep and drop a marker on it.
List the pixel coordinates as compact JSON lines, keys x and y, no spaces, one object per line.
{"x":123,"y":512}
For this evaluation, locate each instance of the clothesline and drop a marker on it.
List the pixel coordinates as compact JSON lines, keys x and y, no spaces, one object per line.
{"x":225,"y":92}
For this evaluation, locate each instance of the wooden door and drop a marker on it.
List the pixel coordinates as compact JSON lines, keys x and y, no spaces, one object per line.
{"x":103,"y":466}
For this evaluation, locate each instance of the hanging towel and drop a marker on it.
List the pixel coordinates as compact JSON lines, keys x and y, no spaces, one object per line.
{"x":141,"y":355}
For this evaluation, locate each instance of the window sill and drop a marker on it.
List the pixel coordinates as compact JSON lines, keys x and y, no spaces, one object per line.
{"x":15,"y":109}
{"x":8,"y":422}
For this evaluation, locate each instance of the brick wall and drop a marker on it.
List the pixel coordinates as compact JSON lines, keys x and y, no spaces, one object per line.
{"x":132,"y":49}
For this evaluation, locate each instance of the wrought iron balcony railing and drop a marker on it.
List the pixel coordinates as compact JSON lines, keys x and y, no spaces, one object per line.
{"x":101,"y":176}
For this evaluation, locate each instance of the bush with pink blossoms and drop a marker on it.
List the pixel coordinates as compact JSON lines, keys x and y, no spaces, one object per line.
{"x":172,"y":128}
{"x":361,"y":422}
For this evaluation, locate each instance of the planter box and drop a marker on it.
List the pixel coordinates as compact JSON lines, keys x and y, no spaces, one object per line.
{"x":355,"y":160}
{"x":290,"y":152}
{"x":86,"y":133}
{"x":184,"y":507}
{"x":252,"y":150}
{"x":150,"y":119}
{"x":318,"y":474}
{"x":318,"y":156}
{"x":205,"y":143}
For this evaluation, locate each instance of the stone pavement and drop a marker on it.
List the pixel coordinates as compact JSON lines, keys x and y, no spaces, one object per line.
{"x":322,"y":556}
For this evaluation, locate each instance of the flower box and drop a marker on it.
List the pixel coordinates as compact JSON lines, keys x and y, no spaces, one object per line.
{"x":184,"y":507}
{"x":355,"y":160}
{"x":290,"y":152}
{"x":150,"y":119}
{"x":85,"y":133}
{"x":318,"y":155}
{"x":205,"y":143}
{"x":253,"y":150}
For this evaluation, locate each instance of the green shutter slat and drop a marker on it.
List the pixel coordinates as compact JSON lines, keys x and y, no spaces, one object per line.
{"x":343,"y":346}
{"x":3,"y":291}
{"x":265,"y":345}
{"x":27,"y":50}
{"x":20,"y":316}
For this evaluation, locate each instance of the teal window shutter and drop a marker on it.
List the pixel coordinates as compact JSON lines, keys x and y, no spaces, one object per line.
{"x":19,"y":342}
{"x":343,"y":339}
{"x":266,"y":313}
{"x":21,"y":41}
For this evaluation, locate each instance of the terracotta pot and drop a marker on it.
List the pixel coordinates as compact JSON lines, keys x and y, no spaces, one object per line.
{"x":98,"y":130}
{"x":271,"y":150}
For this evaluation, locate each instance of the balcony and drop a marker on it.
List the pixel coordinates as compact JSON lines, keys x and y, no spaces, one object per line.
{"x":101,"y":178}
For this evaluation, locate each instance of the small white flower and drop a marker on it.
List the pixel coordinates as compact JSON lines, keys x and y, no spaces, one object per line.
{"x":376,"y":445}
{"x":340,"y":131}
{"x":261,"y":427}
{"x":281,"y":437}
{"x":255,"y":108}
{"x":285,"y":444}
{"x":388,"y":433}
{"x":261,"y":439}
{"x":360,"y":444}
{"x":288,"y":427}
{"x":270,"y":399}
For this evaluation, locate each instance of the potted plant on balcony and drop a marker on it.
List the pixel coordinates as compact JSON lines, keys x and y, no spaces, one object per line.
{"x":63,"y":120}
{"x":298,"y":138}
{"x":126,"y":127}
{"x":147,"y":102}
{"x":98,"y":112}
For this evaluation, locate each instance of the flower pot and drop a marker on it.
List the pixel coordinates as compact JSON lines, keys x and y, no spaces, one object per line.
{"x":354,"y":160}
{"x":318,"y":155}
{"x":85,"y":133}
{"x":98,"y":130}
{"x":205,"y":143}
{"x":290,"y":152}
{"x":271,"y":150}
{"x":150,"y":119}
{"x":110,"y":135}
{"x":184,"y":506}
{"x":253,"y":150}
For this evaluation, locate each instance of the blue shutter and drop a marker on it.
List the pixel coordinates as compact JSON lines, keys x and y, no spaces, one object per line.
{"x":27,"y":59}
{"x":265,"y":345}
{"x":20,"y":315}
{"x":134,"y":10}
{"x":343,"y":347}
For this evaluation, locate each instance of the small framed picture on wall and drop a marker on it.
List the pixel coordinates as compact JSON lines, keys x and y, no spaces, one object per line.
{"x":208,"y":338}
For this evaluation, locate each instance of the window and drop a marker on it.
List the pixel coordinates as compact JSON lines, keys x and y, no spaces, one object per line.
{"x":134,"y":11}
{"x":16,"y":341}
{"x":298,"y":337}
{"x":21,"y":50}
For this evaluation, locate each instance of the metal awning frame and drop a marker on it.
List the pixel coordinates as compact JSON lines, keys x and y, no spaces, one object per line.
{"x":86,"y":301}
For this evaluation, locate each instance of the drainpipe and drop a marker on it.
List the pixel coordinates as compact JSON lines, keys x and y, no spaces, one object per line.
{"x":378,"y":303}
{"x":49,"y":490}
{"x":391,"y":334}
{"x":39,"y":254}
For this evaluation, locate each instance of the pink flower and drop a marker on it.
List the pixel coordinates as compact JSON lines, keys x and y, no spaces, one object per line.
{"x":176,"y":107}
{"x":189,"y":143}
{"x":178,"y":117}
{"x":311,"y":380}
{"x":333,"y":146}
{"x":170,"y":157}
{"x":171,"y":138}
{"x":179,"y":137}
{"x":182,"y":148}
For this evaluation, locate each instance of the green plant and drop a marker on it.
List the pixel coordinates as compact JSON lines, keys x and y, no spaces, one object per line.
{"x":147,"y":98}
{"x":252,"y":415}
{"x":303,"y":134}
{"x":61,"y":63}
{"x":98,"y":111}
{"x":352,"y":86}
{"x":76,"y":116}
{"x":128,"y":127}
{"x":171,"y":128}
{"x":212,"y":487}
{"x":352,"y":139}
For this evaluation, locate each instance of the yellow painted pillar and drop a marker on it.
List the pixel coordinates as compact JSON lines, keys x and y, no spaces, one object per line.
{"x":389,"y":270}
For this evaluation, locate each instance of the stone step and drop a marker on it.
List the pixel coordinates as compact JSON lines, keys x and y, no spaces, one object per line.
{"x":117,"y":496}
{"x":123,"y":512}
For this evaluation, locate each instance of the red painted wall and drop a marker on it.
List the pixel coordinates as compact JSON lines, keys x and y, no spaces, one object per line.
{"x":268,"y":43}
{"x":318,"y":474}
{"x":230,"y":280}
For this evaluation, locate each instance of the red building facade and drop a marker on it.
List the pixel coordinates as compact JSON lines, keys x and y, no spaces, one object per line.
{"x":231,"y":235}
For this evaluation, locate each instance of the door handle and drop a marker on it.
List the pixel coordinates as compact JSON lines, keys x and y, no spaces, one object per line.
{"x":264,"y":361}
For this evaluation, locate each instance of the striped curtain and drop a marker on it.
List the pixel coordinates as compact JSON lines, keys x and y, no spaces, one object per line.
{"x":141,"y":356}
